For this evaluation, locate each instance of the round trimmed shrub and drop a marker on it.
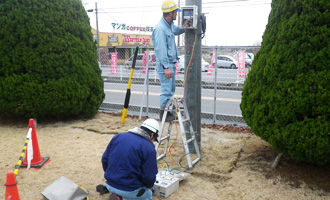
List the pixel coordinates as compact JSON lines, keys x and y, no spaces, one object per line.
{"x":286,"y":97}
{"x":48,"y":60}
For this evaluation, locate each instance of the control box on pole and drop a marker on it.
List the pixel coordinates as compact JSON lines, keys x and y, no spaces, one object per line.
{"x":189,"y":17}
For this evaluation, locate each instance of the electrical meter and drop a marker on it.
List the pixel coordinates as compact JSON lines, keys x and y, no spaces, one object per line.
{"x":189,"y":17}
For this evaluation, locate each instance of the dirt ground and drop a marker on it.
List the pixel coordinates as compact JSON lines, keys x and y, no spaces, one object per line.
{"x":235,"y":163}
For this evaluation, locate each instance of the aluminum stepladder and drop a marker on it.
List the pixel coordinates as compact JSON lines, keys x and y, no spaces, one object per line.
{"x":178,"y":107}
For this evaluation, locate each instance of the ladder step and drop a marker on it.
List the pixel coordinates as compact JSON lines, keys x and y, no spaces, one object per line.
{"x":191,"y":139}
{"x":195,"y":161}
{"x":160,"y":156}
{"x":183,"y":121}
{"x":164,"y":138}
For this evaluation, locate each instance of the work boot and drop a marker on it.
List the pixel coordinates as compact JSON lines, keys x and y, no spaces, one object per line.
{"x":114,"y":196}
{"x":169,"y":117}
{"x":102,"y":189}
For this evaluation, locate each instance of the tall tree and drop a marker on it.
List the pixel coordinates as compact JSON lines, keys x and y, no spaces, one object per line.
{"x":286,"y":98}
{"x":48,"y":60}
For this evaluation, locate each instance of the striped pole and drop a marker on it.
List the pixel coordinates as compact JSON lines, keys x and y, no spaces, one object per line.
{"x":21,"y":158}
{"x":128,"y":92}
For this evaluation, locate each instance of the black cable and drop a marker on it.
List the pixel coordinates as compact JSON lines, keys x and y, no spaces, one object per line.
{"x":192,"y":189}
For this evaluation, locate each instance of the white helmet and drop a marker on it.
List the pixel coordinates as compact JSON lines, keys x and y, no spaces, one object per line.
{"x":152,"y":125}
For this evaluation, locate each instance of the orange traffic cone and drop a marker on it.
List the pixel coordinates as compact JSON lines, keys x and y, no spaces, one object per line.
{"x":37,"y":160}
{"x":11,"y":187}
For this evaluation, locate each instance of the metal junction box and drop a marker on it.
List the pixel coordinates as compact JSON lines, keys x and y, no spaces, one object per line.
{"x":165,"y":185}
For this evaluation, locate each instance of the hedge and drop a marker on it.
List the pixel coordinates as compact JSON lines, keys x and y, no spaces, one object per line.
{"x":48,"y":60}
{"x":286,"y":97}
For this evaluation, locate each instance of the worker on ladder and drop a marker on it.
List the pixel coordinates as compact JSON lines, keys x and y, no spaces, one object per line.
{"x":166,"y":53}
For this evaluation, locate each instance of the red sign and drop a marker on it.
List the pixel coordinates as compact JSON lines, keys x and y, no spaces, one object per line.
{"x":144,"y":62}
{"x":144,"y":59}
{"x":113,"y":63}
{"x":241,"y":63}
{"x":210,"y":71}
{"x":176,"y":68}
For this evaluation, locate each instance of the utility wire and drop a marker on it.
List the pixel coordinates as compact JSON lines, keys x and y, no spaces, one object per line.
{"x":209,"y":7}
{"x":213,"y":4}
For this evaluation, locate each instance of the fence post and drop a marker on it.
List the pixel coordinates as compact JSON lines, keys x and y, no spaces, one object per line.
{"x":146,"y":87}
{"x":215,"y":85}
{"x":121,"y":72}
{"x":147,"y":106}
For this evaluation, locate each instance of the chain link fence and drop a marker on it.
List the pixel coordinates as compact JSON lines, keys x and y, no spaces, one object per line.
{"x":221,"y":82}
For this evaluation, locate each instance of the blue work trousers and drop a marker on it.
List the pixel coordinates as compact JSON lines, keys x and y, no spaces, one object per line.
{"x":131,"y":195}
{"x":167,"y":87}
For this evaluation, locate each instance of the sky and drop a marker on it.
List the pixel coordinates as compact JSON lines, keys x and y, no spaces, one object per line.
{"x":228,"y":22}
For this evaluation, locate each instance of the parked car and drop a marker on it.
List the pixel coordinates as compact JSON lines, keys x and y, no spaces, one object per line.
{"x":251,"y":55}
{"x":224,"y":61}
{"x":139,"y":61}
{"x":248,"y":60}
{"x":205,"y":65}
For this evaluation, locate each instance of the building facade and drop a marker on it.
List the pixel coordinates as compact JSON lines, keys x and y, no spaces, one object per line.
{"x":121,"y":43}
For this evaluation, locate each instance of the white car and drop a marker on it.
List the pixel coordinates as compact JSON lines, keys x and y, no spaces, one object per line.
{"x":205,"y":65}
{"x":139,"y":61}
{"x":224,"y":61}
{"x":248,"y":61}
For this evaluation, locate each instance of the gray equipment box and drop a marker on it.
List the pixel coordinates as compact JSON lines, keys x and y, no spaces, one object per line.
{"x":165,"y":185}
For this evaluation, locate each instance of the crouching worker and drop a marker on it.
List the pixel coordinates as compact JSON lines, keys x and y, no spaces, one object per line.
{"x":130,"y":163}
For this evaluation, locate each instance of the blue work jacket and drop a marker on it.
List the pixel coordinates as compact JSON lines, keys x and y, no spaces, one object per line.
{"x":129,"y":162}
{"x":164,"y":44}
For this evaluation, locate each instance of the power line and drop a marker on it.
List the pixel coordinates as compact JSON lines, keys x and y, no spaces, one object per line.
{"x":154,"y":6}
{"x":213,"y":4}
{"x":209,"y":7}
{"x":256,"y":4}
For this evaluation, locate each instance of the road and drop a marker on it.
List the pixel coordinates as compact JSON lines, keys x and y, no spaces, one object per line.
{"x":227,"y":101}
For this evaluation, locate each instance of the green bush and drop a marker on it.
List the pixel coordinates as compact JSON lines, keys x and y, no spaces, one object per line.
{"x":48,"y":60}
{"x":286,"y":98}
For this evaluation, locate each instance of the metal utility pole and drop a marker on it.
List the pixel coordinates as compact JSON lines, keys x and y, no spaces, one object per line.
{"x":97,"y":34}
{"x":179,"y":25}
{"x":193,"y":79}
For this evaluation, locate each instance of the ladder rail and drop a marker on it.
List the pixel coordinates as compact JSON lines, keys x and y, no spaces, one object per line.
{"x":183,"y":119}
{"x":165,"y":138}
{"x":184,"y":140}
{"x":192,"y":131}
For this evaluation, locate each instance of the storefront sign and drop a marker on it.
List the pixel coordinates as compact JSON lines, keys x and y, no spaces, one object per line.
{"x":129,"y":39}
{"x":132,"y":28}
{"x":113,"y":38}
